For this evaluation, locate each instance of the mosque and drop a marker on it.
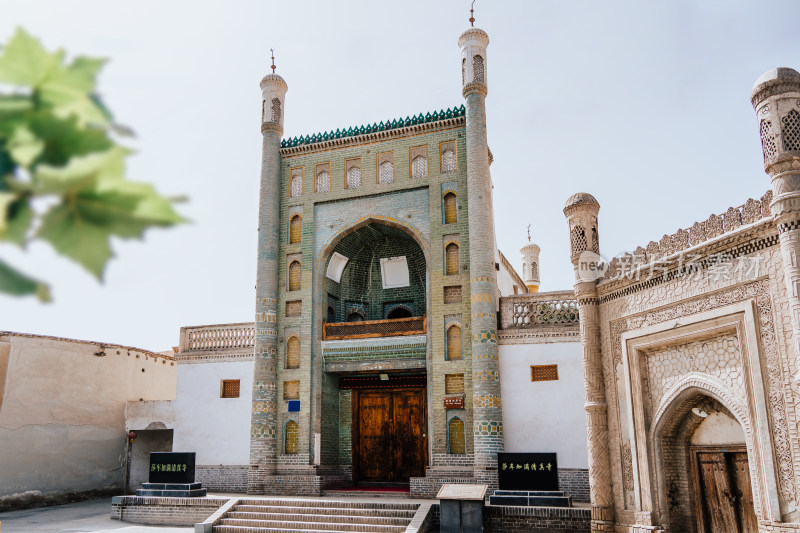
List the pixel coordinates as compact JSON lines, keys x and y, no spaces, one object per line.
{"x":394,"y":345}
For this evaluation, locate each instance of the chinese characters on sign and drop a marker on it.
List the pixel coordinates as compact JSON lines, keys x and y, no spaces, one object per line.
{"x":172,"y":467}
{"x":527,"y":471}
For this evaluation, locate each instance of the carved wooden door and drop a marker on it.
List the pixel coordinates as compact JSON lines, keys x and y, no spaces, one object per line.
{"x":389,"y":434}
{"x":725,"y":492}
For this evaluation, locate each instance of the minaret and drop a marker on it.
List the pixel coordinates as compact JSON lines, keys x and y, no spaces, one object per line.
{"x":264,"y":423}
{"x":581,"y":212}
{"x":487,"y":417}
{"x":530,"y":264}
{"x":776,"y":99}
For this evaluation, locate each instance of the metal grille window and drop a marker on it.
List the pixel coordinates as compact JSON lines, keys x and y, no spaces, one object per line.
{"x":294,"y":276}
{"x":451,"y":259}
{"x":456,"y":440}
{"x":291,"y":437}
{"x":230,"y":388}
{"x":544,"y":373}
{"x":450,"y":208}
{"x":323,"y":177}
{"x":454,"y":384}
{"x":453,"y":343}
{"x":419,"y":167}
{"x":293,"y":353}
{"x":291,"y":390}
{"x":296,"y":188}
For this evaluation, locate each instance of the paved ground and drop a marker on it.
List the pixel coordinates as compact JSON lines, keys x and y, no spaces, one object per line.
{"x":89,"y":516}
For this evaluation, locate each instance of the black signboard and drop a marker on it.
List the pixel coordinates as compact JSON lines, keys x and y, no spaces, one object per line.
{"x":527,"y":471}
{"x":172,"y":467}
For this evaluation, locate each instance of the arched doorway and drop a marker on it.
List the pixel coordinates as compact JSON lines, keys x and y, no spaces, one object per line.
{"x":706,"y":469}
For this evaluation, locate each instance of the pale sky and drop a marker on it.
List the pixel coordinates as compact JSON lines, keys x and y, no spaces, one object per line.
{"x":644,"y":104}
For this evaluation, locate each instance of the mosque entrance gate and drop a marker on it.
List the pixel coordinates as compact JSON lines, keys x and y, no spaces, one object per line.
{"x":723,"y":494}
{"x":389,"y":435}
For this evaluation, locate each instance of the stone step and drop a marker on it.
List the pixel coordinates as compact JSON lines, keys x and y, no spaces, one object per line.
{"x":367,"y":494}
{"x":339,"y":504}
{"x":245,"y":529}
{"x":171,"y":486}
{"x":528,"y":493}
{"x":260,"y":525}
{"x":250,"y":511}
{"x":307,"y":517}
{"x":194,"y":493}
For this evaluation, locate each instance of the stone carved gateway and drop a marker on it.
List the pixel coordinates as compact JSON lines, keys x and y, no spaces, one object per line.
{"x":720,"y":346}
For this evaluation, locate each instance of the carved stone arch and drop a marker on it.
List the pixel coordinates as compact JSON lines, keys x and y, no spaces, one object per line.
{"x":672,"y":425}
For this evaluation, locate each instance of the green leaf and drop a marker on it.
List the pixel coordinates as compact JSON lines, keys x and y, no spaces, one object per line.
{"x":64,"y":138}
{"x":80,"y":173}
{"x":19,"y":217}
{"x":18,"y":284}
{"x":14,"y":104}
{"x":6,"y":199}
{"x":73,"y":236}
{"x":24,"y":146}
{"x":25,"y":62}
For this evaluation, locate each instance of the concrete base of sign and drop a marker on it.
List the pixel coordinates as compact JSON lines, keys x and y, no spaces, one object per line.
{"x":461,"y":516}
{"x":530,"y":498}
{"x":173,"y":490}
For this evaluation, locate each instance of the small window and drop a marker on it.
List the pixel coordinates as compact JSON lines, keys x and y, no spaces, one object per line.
{"x":385,"y":162}
{"x":291,"y":437}
{"x":296,"y":183}
{"x":294,"y":276}
{"x":453,"y":343}
{"x":275,"y":114}
{"x":399,"y":312}
{"x":294,"y":308}
{"x":456,"y":440}
{"x":355,"y":316}
{"x":419,"y":161}
{"x":230,"y":388}
{"x":477,"y":68}
{"x":293,"y":352}
{"x":448,"y":155}
{"x":353,"y":174}
{"x":323,"y":172}
{"x":450,"y":208}
{"x":451,"y":259}
{"x":544,"y":373}
{"x":296,"y":229}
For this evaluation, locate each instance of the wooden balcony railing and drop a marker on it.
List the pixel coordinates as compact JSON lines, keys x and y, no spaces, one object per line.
{"x":374,"y":328}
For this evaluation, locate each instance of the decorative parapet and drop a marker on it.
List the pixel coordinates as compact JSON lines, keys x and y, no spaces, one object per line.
{"x":374,"y":128}
{"x":715,"y":226}
{"x":544,"y":309}
{"x":218,"y":337}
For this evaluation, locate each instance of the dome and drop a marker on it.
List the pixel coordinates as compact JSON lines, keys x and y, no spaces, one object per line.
{"x":581,"y":198}
{"x":530,"y":248}
{"x":273,"y":79}
{"x":768,"y":83}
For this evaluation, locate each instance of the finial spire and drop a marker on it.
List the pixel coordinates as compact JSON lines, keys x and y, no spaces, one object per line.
{"x":529,"y":233}
{"x":472,"y":14}
{"x":273,"y":60}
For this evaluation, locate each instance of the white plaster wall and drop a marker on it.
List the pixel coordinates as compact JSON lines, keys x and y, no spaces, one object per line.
{"x":545,"y":416}
{"x":716,"y":429}
{"x":217,"y":429}
{"x":62,"y":426}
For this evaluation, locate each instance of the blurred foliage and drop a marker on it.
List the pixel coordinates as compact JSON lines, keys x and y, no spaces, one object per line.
{"x":57,"y":141}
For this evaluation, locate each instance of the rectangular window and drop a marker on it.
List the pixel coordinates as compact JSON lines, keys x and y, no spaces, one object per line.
{"x":384,"y":162}
{"x":291,"y":390}
{"x":230,"y":388}
{"x":352,"y":173}
{"x":452,"y":294}
{"x":322,"y":171}
{"x":544,"y":372}
{"x":296,"y":182}
{"x":448,"y":162}
{"x":454,"y":384}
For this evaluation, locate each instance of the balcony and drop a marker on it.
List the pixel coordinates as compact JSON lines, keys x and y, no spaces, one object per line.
{"x":374,"y":328}
{"x":219,"y":337}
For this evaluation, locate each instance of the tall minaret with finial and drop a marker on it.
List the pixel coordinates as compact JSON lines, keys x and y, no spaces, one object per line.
{"x":264,"y":423}
{"x":487,"y":417}
{"x":530,"y":264}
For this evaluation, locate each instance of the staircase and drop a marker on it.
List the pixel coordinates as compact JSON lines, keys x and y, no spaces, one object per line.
{"x":315,"y":516}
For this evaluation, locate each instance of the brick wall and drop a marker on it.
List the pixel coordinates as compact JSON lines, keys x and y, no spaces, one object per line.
{"x":535,"y":519}
{"x":574,"y":482}
{"x":222,"y":478}
{"x":164,"y":511}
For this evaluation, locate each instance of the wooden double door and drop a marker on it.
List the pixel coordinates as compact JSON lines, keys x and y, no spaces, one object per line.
{"x":724,"y":502}
{"x":389,"y":434}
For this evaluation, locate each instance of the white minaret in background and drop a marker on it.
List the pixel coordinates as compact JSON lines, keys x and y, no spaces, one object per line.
{"x":530,"y":264}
